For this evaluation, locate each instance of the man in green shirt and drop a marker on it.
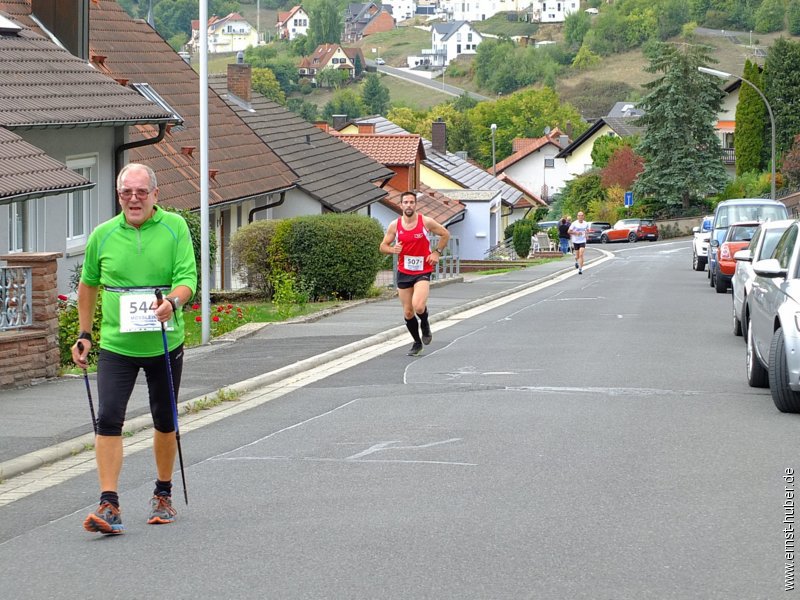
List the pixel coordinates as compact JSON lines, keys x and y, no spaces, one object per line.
{"x":130,"y":255}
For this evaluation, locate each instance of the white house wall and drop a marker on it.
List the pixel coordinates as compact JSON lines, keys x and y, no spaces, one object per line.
{"x":46,"y":227}
{"x":531,"y":173}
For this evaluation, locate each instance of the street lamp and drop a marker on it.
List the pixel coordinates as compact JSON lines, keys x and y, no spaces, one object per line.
{"x":494,"y":164}
{"x":724,"y":75}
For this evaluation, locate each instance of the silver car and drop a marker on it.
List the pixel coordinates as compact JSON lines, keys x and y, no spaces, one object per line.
{"x":761,"y":246}
{"x":773,"y":323}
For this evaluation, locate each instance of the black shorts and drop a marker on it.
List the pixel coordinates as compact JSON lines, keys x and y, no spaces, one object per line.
{"x":405,"y":281}
{"x":116,"y":376}
{"x":577,"y":245}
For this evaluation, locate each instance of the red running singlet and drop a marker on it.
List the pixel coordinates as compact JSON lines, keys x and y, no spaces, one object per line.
{"x":416,"y":248}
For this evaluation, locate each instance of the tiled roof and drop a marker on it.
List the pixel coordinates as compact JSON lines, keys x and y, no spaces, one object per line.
{"x":387,"y":149}
{"x":246,"y":166}
{"x":431,"y":203}
{"x":335,"y":173}
{"x":467,"y":175}
{"x":529,"y":146}
{"x":27,"y":172}
{"x":43,"y":85}
{"x":528,"y":199}
{"x":622,"y":126}
{"x":285,"y":16}
{"x":382,"y":124}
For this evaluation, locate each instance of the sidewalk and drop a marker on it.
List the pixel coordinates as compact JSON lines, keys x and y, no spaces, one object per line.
{"x":50,"y":421}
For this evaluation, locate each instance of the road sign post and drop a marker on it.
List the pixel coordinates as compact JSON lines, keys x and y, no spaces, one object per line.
{"x":628,"y":199}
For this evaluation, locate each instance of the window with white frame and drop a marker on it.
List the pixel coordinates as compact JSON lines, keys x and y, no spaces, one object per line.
{"x":16,"y":226}
{"x":549,"y":163}
{"x":80,"y":203}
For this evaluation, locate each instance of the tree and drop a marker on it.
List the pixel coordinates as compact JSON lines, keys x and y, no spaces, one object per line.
{"x":782,"y":89}
{"x":770,"y":16}
{"x":790,"y":168}
{"x":579,"y":192}
{"x":303,"y":108}
{"x":331,"y":77}
{"x":793,"y":16}
{"x":576,"y":25}
{"x":683,"y":157}
{"x":606,"y":146}
{"x":622,"y":169}
{"x":375,"y":95}
{"x":324,"y":24}
{"x":263,"y":81}
{"x":751,"y":116}
{"x":585,"y":58}
{"x":344,"y":102}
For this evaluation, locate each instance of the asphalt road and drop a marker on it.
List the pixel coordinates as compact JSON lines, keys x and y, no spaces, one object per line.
{"x":595,"y":438}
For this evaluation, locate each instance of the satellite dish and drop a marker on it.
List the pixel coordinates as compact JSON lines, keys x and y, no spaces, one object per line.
{"x":547,"y":129}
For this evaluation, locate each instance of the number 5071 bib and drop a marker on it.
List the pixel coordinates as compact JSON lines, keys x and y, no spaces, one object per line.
{"x":135,"y":314}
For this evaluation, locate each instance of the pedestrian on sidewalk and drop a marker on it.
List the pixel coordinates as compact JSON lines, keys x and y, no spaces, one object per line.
{"x":130,"y":255}
{"x":410,"y":238}
{"x":577,"y":232}
{"x":563,"y":234}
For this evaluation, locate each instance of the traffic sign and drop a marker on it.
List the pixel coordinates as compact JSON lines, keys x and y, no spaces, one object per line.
{"x":628,"y":198}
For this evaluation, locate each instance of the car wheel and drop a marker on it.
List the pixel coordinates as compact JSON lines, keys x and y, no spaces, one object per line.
{"x":697,"y":264}
{"x":604,"y":239}
{"x":785,"y":398}
{"x":757,"y":375}
{"x":720,"y":284}
{"x":737,"y":324}
{"x":745,"y":322}
{"x":713,"y":279}
{"x":631,"y":237}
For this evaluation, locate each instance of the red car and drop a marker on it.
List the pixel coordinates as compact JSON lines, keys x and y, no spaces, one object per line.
{"x":737,"y":238}
{"x":631,"y":230}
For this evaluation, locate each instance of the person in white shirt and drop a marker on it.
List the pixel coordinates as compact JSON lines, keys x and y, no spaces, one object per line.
{"x":577,"y":233}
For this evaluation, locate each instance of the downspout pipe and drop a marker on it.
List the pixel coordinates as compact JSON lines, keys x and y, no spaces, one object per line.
{"x":253,"y":211}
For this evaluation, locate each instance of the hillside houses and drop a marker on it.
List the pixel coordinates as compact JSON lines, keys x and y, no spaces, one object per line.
{"x":231,"y":33}
{"x":332,"y":56}
{"x":292,"y":23}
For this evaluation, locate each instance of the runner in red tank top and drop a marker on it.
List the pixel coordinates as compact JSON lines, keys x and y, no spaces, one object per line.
{"x":409,"y":238}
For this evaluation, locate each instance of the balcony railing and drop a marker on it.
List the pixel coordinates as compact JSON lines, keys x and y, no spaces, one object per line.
{"x":728,"y":156}
{"x":15,"y":298}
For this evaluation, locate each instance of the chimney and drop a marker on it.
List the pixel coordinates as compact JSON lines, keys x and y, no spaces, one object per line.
{"x":364,"y":128}
{"x":439,"y":135}
{"x":239,"y":76}
{"x":563,"y":141}
{"x":323,"y":125}
{"x":339,"y":121}
{"x":67,"y":20}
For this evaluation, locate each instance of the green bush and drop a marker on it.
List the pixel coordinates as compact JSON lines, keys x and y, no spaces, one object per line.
{"x":522,"y":239}
{"x":193,"y":221}
{"x":69,"y":328}
{"x":336,"y":255}
{"x":250,"y":255}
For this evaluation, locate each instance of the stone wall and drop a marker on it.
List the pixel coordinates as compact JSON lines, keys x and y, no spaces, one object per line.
{"x":31,"y":353}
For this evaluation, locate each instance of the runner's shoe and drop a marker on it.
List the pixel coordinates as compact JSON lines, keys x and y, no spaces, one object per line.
{"x":106,"y":519}
{"x":161,"y":511}
{"x":416,"y":349}
{"x":427,"y":336}
{"x":576,"y":265}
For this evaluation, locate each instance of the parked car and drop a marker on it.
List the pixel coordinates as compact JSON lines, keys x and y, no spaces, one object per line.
{"x":700,"y":243}
{"x":737,"y":237}
{"x":631,"y":230}
{"x":773,"y":337}
{"x":761,"y":246}
{"x":595,"y":229}
{"x":736,"y":211}
{"x":380,"y":61}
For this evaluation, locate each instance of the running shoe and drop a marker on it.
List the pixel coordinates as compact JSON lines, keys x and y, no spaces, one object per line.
{"x":427,"y":336}
{"x":580,"y":271}
{"x":161,"y":510}
{"x":576,"y":265}
{"x":416,"y":349}
{"x":106,"y":519}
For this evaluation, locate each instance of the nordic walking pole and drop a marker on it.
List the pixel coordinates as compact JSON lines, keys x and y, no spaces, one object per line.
{"x":88,"y":392}
{"x":160,"y":299}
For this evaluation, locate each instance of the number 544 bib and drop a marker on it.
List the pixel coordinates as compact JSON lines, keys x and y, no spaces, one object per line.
{"x":135,"y":314}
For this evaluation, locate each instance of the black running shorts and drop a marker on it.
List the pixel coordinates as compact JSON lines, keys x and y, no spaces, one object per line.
{"x":405,"y":281}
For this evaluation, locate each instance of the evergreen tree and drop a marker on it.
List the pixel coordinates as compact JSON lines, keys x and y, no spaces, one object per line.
{"x":770,"y":16}
{"x":782,"y":89}
{"x":751,"y":119}
{"x":793,"y":16}
{"x":683,"y":158}
{"x":344,"y":102}
{"x":375,"y":95}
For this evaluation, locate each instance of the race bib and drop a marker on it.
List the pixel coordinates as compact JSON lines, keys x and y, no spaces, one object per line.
{"x":414,"y":263}
{"x":135,"y":314}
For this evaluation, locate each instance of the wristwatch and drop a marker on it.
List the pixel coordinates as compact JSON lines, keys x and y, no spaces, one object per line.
{"x":85,"y":335}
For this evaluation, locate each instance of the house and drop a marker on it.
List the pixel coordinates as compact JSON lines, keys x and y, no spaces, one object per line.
{"x":361,"y":20}
{"x":554,"y":11}
{"x":225,"y":34}
{"x":476,"y":10}
{"x":431,"y":203}
{"x":292,"y":23}
{"x":333,"y":56}
{"x":578,"y":154}
{"x":450,"y":40}
{"x":533,"y":165}
{"x":726,"y":125}
{"x":63,"y":126}
{"x":402,"y":153}
{"x":244,"y":173}
{"x":402,"y":10}
{"x":334,"y":176}
{"x":444,"y":171}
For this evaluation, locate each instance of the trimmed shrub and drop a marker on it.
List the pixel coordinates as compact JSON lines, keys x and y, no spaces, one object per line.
{"x":334,"y":255}
{"x":522,"y":239}
{"x":250,"y":255}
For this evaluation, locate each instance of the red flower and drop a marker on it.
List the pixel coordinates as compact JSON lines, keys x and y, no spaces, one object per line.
{"x":62,"y":297}
{"x":215,"y":318}
{"x":241,"y":316}
{"x":227,"y":312}
{"x":195,"y":307}
{"x":230,"y":306}
{"x":219,"y":309}
{"x":198,"y":318}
